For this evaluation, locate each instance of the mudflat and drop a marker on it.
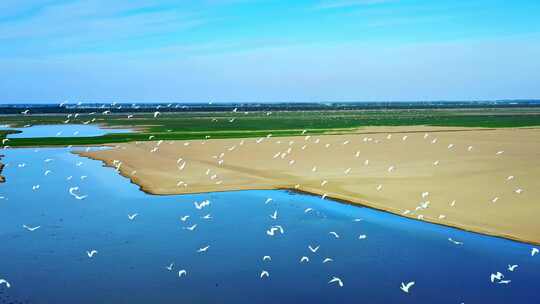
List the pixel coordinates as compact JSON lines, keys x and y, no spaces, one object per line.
{"x":482,"y":180}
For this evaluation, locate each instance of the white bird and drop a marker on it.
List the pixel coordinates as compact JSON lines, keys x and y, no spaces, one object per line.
{"x":207,"y":217}
{"x":264,"y":273}
{"x":202,"y":204}
{"x":274,"y":215}
{"x":511,"y":177}
{"x":379,"y":187}
{"x":436,"y":163}
{"x":191,"y":228}
{"x":495,"y":199}
{"x":455,"y":242}
{"x":203,"y":249}
{"x":304,"y":259}
{"x":512,"y":267}
{"x":170,"y":267}
{"x":2,"y":281}
{"x":519,"y":191}
{"x":91,"y":253}
{"x":156,"y":114}
{"x":76,"y":196}
{"x":469,"y":148}
{"x":35,"y":187}
{"x":132,"y":216}
{"x":362,"y":237}
{"x":336,"y":280}
{"x":496,"y":276}
{"x":450,"y":146}
{"x":534,"y":251}
{"x":326,"y":260}
{"x":182,"y":272}
{"x":499,"y":152}
{"x":425,"y":194}
{"x":308,"y":210}
{"x":314,"y":249}
{"x":404,"y":137}
{"x":453,"y":203}
{"x":334,"y":234}
{"x":391,"y":168}
{"x":268,"y":200}
{"x":31,"y":228}
{"x":47,"y":172}
{"x":266,"y":258}
{"x":505,"y":281}
{"x":184,"y":218}
{"x":406,"y":287}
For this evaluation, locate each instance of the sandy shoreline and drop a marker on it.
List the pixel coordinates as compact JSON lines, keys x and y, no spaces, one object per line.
{"x":372,"y":168}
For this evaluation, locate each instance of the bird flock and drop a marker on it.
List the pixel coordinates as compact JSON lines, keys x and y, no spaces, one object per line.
{"x":275,"y":229}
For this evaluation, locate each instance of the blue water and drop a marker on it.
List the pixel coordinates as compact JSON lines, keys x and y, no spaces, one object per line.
{"x":50,"y":265}
{"x":65,"y":130}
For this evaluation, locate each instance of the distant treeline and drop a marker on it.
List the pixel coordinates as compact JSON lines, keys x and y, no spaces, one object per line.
{"x":256,"y":107}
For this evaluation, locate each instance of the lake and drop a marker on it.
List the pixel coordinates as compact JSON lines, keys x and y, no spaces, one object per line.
{"x":65,"y":130}
{"x":51,"y":265}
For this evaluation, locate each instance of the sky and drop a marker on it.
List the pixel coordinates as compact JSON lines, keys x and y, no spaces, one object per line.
{"x":268,"y":50}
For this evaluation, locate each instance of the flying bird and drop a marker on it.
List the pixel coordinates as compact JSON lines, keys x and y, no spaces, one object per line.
{"x":184,"y":218}
{"x":76,"y":196}
{"x":455,"y":242}
{"x":512,"y":267}
{"x":334,"y":234}
{"x":274,"y":215}
{"x":362,"y":237}
{"x":264,"y":273}
{"x":336,"y":280}
{"x":406,"y":287}
{"x":91,"y":253}
{"x":314,"y":249}
{"x":203,"y":249}
{"x":182,"y":272}
{"x":326,"y":260}
{"x":170,"y":267}
{"x":534,"y":251}
{"x":31,"y":228}
{"x":304,"y":259}
{"x":266,"y":258}
{"x":2,"y":281}
{"x":132,"y":216}
{"x":191,"y":228}
{"x":496,"y":276}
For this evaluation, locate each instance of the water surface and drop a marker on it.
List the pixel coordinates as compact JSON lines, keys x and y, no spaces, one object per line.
{"x":65,"y":130}
{"x":50,"y":265}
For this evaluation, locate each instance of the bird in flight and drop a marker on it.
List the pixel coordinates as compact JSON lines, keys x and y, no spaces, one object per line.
{"x":132,"y":216}
{"x":304,"y":259}
{"x":334,"y":234}
{"x":534,"y":251}
{"x":496,"y":276}
{"x":266,"y":258}
{"x":406,"y":287}
{"x":2,"y":281}
{"x":184,"y":218}
{"x":76,"y":196}
{"x":274,"y":215}
{"x":191,"y":228}
{"x":336,"y":280}
{"x":314,"y":249}
{"x":31,"y":228}
{"x":170,"y":267}
{"x":264,"y":273}
{"x":512,"y":267}
{"x":182,"y":272}
{"x":91,"y":253}
{"x":203,"y":249}
{"x":326,"y":260}
{"x":454,"y":241}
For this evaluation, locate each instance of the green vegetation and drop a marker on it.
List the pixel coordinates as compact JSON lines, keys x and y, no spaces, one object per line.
{"x":182,"y":126}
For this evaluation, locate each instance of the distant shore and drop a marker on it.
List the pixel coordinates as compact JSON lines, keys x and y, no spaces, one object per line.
{"x":476,"y":180}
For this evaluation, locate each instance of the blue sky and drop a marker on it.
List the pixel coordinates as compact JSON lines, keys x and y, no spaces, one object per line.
{"x":268,"y":50}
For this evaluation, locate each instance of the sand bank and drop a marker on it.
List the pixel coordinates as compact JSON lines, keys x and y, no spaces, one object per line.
{"x":482,"y":180}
